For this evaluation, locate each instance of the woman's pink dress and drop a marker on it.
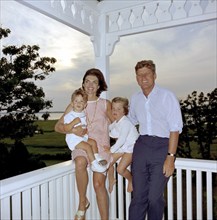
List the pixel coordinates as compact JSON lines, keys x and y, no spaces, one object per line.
{"x":98,"y":128}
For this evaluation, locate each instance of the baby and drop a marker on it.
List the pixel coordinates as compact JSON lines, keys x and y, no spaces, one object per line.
{"x":77,"y":117}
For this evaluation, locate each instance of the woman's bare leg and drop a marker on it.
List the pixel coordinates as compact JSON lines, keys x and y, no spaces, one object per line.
{"x":82,"y":180}
{"x":123,"y":171}
{"x":101,"y":195}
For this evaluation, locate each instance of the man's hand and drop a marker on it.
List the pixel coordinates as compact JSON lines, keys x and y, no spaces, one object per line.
{"x":169,"y":166}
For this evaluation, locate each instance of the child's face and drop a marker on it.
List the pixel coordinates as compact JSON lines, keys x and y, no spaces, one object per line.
{"x":117,"y":110}
{"x":79,"y":103}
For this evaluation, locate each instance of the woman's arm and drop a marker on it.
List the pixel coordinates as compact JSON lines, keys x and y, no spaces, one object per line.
{"x":109,"y":111}
{"x":60,"y":126}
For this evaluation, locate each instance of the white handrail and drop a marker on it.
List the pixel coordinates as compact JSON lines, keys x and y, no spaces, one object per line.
{"x":51,"y":193}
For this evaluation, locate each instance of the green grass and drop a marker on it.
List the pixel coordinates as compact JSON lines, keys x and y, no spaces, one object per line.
{"x":53,"y":143}
{"x":48,"y":143}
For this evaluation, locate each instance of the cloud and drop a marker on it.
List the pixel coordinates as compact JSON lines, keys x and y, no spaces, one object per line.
{"x":185,"y":56}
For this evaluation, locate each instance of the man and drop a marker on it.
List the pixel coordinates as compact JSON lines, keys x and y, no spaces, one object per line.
{"x":157,"y":112}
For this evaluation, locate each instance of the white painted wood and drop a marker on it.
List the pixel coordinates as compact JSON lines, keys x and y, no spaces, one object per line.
{"x":51,"y":182}
{"x":189,"y":194}
{"x":52,"y":199}
{"x":120,"y":197}
{"x":162,"y":13}
{"x":5,"y":208}
{"x":179,"y":11}
{"x":195,"y":8}
{"x":26,"y":204}
{"x":16,"y":206}
{"x":199,"y":200}
{"x":211,"y":7}
{"x":44,"y":201}
{"x":209,"y":196}
{"x":66,"y":196}
{"x":71,"y":191}
{"x":179,"y":192}
{"x":59,"y":198}
{"x":170,"y":198}
{"x":36,"y":203}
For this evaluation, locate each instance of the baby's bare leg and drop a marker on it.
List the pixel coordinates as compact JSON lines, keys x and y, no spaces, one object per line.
{"x":95,"y":151}
{"x":87,"y":148}
{"x":93,"y":145}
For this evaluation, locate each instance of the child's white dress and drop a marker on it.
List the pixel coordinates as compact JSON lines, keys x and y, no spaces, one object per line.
{"x":71,"y":139}
{"x":126,"y":134}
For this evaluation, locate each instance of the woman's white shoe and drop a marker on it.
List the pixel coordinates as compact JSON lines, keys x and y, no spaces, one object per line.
{"x":80,"y":215}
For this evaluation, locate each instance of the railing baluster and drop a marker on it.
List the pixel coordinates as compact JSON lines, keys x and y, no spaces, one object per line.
{"x":59,"y":199}
{"x":209,"y":196}
{"x":52,"y":200}
{"x":199,"y":194}
{"x":120,"y":197}
{"x":26,"y":204}
{"x":66,"y":196}
{"x":189,"y":194}
{"x":16,"y":206}
{"x":44,"y":201}
{"x":5,"y":208}
{"x":179,"y":194}
{"x":35,"y":203}
{"x":170,"y":198}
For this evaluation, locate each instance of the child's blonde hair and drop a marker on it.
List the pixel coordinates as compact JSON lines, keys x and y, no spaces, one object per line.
{"x":78,"y":92}
{"x":124,"y":101}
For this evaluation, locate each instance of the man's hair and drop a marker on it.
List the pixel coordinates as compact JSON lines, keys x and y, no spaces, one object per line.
{"x":124,"y":101}
{"x":78,"y":92}
{"x":146,"y":63}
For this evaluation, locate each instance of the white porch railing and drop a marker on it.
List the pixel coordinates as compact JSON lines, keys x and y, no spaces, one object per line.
{"x":50,"y":193}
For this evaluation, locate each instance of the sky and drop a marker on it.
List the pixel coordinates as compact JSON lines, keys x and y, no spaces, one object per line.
{"x":185,"y":56}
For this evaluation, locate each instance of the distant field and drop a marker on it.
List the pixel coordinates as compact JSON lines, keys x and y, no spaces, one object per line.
{"x":52,"y":148}
{"x":48,"y":143}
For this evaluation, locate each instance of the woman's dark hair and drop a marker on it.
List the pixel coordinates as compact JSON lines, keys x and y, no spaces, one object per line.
{"x":102,"y":83}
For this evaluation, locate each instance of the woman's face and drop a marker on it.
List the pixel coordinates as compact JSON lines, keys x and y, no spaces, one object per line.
{"x":91,"y":85}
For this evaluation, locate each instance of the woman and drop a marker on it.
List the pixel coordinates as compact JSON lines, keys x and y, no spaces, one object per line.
{"x":98,"y":114}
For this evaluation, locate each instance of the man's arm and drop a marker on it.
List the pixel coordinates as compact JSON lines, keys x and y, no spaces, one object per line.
{"x":169,"y":164}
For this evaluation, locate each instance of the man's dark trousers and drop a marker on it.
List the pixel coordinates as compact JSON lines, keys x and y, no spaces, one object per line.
{"x":149,"y":181}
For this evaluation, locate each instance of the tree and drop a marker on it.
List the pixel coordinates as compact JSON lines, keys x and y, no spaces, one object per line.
{"x":200,"y":121}
{"x":45,"y":115}
{"x":20,"y":100}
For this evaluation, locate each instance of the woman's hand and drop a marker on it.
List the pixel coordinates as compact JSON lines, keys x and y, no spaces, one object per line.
{"x":106,"y":149}
{"x":79,"y":131}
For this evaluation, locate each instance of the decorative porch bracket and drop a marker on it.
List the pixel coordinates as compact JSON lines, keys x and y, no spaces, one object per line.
{"x":122,"y":18}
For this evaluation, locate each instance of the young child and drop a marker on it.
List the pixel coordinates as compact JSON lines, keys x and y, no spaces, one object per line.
{"x":126,"y":134}
{"x":77,"y":117}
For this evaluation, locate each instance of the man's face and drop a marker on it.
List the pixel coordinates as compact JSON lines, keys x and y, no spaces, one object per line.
{"x":146,"y":79}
